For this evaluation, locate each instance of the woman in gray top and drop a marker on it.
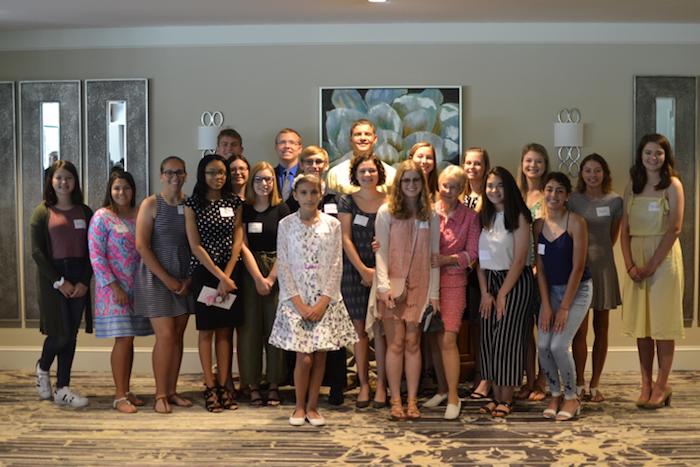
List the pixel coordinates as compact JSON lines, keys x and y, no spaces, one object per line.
{"x":602,"y":209}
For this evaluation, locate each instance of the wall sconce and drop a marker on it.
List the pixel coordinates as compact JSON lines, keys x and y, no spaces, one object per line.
{"x":568,"y":138}
{"x":208,"y":131}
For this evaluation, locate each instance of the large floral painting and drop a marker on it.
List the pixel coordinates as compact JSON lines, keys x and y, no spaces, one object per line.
{"x":403,"y":116}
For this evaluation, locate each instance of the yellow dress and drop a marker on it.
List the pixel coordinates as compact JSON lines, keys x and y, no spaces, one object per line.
{"x":653,"y":307}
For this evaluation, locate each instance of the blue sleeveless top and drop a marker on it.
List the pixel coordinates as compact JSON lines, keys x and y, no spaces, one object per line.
{"x":558,"y":257}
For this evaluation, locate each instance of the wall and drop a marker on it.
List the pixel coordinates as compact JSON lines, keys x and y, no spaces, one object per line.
{"x":511,"y":95}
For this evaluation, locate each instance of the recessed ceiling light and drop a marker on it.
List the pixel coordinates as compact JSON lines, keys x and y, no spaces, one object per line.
{"x":376,"y":1}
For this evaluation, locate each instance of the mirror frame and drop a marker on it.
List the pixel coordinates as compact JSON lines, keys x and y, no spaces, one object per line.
{"x":98,"y":92}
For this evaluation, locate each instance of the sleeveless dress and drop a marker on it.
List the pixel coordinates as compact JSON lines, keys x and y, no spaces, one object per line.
{"x":356,"y":295}
{"x":152,"y":299}
{"x":653,"y":307}
{"x":600,"y":214}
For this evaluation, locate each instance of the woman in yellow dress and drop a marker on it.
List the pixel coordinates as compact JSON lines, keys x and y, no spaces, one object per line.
{"x":652,"y":299}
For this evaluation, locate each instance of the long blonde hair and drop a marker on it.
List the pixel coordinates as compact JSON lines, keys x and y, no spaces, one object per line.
{"x":397,"y":205}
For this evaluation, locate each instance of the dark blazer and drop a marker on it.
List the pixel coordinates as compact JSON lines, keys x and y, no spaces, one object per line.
{"x":296,"y":170}
{"x":49,"y":298}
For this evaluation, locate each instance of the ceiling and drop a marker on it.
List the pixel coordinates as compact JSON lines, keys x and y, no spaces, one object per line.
{"x":19,"y":15}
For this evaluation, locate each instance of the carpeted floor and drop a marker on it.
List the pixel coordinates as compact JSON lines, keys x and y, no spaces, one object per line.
{"x":614,"y":432}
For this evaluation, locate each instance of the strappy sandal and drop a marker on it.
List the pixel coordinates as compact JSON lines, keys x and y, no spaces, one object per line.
{"x":211,"y":400}
{"x":412,"y":412}
{"x":226,"y":398}
{"x":135,"y":400}
{"x":397,"y":412}
{"x":124,"y":405}
{"x":179,"y":401}
{"x":595,"y":396}
{"x":502,"y":413}
{"x":256,"y":399}
{"x":162,"y":402}
{"x":488,"y":408}
{"x":273,"y":398}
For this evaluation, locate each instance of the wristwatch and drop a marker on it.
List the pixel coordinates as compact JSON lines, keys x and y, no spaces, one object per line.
{"x":57,"y":285}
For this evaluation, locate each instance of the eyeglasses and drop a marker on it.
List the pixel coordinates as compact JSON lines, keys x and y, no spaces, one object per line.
{"x":311,"y":162}
{"x":410,"y":180}
{"x":173,"y":173}
{"x":215,"y":173}
{"x":258,"y":179}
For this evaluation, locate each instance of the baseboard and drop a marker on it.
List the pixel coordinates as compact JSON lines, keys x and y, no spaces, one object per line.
{"x":97,"y":359}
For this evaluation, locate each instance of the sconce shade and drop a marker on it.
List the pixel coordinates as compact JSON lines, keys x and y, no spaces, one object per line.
{"x":206,"y":137}
{"x":568,"y":134}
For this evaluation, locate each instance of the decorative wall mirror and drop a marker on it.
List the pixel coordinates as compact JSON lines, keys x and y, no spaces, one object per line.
{"x":9,"y":285}
{"x":116,"y":122}
{"x":667,"y":105}
{"x":49,"y":117}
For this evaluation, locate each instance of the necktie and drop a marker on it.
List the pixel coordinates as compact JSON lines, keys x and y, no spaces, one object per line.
{"x":286,"y":185}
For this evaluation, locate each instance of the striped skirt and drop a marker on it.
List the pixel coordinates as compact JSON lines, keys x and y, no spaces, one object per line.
{"x":503,"y":341}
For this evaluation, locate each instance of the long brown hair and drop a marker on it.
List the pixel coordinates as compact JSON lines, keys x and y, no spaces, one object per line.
{"x":432,"y":178}
{"x":397,"y":206}
{"x":522,"y":179}
{"x":274,"y":197}
{"x":606,"y":185}
{"x":486,"y":167}
{"x":639,"y":174}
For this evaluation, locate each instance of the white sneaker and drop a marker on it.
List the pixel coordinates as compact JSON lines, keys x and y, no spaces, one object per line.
{"x":67,"y":396}
{"x":43,"y":383}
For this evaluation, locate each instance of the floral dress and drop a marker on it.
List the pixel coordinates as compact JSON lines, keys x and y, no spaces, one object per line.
{"x":309,"y":265}
{"x":112,"y":245}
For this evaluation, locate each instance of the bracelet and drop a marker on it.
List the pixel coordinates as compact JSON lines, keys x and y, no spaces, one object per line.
{"x":630,"y":268}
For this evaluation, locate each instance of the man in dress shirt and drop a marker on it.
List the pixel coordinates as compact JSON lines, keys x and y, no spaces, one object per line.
{"x":229,"y":143}
{"x":288,"y":148}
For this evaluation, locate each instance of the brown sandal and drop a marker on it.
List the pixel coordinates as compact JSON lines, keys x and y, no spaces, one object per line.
{"x":179,"y":401}
{"x":162,"y":402}
{"x":412,"y":412}
{"x":397,"y":412}
{"x":135,"y":400}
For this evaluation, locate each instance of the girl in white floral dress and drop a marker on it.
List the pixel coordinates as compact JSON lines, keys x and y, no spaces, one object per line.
{"x":311,"y":317}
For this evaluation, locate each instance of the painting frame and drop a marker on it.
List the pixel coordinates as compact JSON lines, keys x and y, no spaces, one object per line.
{"x":402,"y":115}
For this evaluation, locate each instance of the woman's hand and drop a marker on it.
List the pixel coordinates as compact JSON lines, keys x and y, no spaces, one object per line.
{"x":387,"y":299}
{"x":367,"y":276}
{"x":375,"y":245}
{"x":118,"y":295}
{"x":173,"y":284}
{"x":645,"y":271}
{"x":79,"y":290}
{"x":633,"y":272}
{"x":226,"y":285}
{"x":66,"y":289}
{"x":545,"y":318}
{"x":262,"y":286}
{"x":317,"y":311}
{"x":185,"y":285}
{"x":500,"y":306}
{"x":486,"y":305}
{"x":560,"y":319}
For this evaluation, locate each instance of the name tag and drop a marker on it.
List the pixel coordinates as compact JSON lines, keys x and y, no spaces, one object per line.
{"x":484,"y":255}
{"x":226,"y":212}
{"x":180,"y":209}
{"x":330,"y":208}
{"x":540,"y":248}
{"x":360,"y":220}
{"x":255,"y":227}
{"x":603,"y":211}
{"x":121,"y":228}
{"x":654,"y":206}
{"x":79,"y":224}
{"x":423,"y":225}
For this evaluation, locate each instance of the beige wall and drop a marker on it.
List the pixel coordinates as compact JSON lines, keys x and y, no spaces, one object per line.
{"x":511,"y":95}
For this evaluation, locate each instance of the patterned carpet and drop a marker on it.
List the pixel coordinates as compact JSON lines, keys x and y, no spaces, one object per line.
{"x":611,"y":433}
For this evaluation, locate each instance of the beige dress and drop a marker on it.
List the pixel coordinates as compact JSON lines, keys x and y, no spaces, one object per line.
{"x":653,"y":307}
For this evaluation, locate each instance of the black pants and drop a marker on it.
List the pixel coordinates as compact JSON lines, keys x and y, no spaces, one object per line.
{"x":71,"y":311}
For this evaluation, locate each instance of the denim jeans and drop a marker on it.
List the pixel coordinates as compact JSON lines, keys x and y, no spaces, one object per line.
{"x":556,"y":359}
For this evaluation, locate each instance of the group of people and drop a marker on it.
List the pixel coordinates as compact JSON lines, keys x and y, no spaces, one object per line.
{"x":302,"y":262}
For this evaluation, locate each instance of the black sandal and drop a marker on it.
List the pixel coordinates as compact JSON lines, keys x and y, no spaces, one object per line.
{"x":226,"y":398}
{"x":211,"y":400}
{"x":488,"y":408}
{"x":256,"y":399}
{"x":502,"y":413}
{"x":273,"y":398}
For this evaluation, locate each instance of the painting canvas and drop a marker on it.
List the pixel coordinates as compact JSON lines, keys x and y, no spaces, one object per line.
{"x":403,"y":116}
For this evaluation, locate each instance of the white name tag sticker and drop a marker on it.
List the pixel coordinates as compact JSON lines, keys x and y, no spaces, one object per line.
{"x":654,"y":206}
{"x":79,"y":223}
{"x":540,"y":248}
{"x":330,"y":208}
{"x":255,"y":227}
{"x":423,"y":225}
{"x":484,"y":255}
{"x":180,"y":209}
{"x":226,"y":212}
{"x":602,"y":211}
{"x":360,"y":220}
{"x":121,"y":228}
